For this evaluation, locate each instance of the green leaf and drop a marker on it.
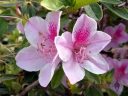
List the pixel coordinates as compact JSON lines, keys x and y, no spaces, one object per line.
{"x":68,"y":3}
{"x":3,"y":26}
{"x":12,"y":68}
{"x":108,"y":76}
{"x":52,"y":4}
{"x":57,"y":78}
{"x":111,"y":92}
{"x":31,"y":10}
{"x":121,"y":12}
{"x":92,"y":77}
{"x":111,"y":1}
{"x":36,"y":92}
{"x":7,"y":77}
{"x":80,"y":3}
{"x":93,"y":91}
{"x":16,"y":86}
{"x":94,"y":11}
{"x":74,"y":89}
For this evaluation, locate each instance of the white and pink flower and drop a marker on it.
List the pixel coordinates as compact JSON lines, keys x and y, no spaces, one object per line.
{"x":118,"y":35}
{"x":41,"y":55}
{"x":81,"y":49}
{"x":120,"y":77}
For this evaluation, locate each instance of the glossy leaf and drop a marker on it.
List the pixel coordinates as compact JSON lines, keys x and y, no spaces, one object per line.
{"x":94,"y":11}
{"x":121,"y":12}
{"x":52,"y":5}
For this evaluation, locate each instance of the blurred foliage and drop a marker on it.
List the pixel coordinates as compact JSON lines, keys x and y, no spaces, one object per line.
{"x":13,"y":80}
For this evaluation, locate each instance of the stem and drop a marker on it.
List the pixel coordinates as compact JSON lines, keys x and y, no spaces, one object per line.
{"x":28,"y":88}
{"x":9,"y":17}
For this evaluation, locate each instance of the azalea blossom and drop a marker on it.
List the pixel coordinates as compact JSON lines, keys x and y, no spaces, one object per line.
{"x":120,"y":77}
{"x":41,"y":55}
{"x":80,"y":50}
{"x":118,"y":35}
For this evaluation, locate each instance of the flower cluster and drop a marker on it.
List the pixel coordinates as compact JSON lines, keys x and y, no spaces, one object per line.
{"x":120,"y":76}
{"x":77,"y":51}
{"x":118,"y":35}
{"x":119,"y":60}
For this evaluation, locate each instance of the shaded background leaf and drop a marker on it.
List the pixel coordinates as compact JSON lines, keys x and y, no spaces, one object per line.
{"x":121,"y":12}
{"x":56,"y":80}
{"x":111,"y":1}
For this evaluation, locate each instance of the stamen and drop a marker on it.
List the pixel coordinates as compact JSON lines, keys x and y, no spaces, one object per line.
{"x":80,"y":55}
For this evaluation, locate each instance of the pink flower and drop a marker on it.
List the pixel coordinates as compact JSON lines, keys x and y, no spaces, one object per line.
{"x":120,"y":78}
{"x":41,"y":54}
{"x":81,"y":49}
{"x":118,"y":35}
{"x":20,"y":27}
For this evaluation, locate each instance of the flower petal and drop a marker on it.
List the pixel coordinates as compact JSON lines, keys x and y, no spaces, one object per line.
{"x":124,"y":38}
{"x":113,"y":63}
{"x":98,"y":42}
{"x":30,"y":59}
{"x":116,"y":87}
{"x":64,"y":46}
{"x":120,"y":34}
{"x":73,"y":71}
{"x":91,"y":67}
{"x":112,"y":44}
{"x":124,"y":80}
{"x":53,"y":19}
{"x":47,"y":72}
{"x":110,"y":30}
{"x":120,"y":29}
{"x":84,"y":28}
{"x":96,"y":64}
{"x":36,"y":30}
{"x":20,"y":27}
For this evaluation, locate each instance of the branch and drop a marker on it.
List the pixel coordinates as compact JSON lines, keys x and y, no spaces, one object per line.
{"x":28,"y":88}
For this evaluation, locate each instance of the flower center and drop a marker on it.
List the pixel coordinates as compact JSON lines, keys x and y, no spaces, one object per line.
{"x":117,"y":85}
{"x":120,"y":72}
{"x":80,"y":54}
{"x":53,"y":30}
{"x":47,"y":48}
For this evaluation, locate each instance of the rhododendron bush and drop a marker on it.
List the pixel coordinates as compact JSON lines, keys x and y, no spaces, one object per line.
{"x":63,"y":48}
